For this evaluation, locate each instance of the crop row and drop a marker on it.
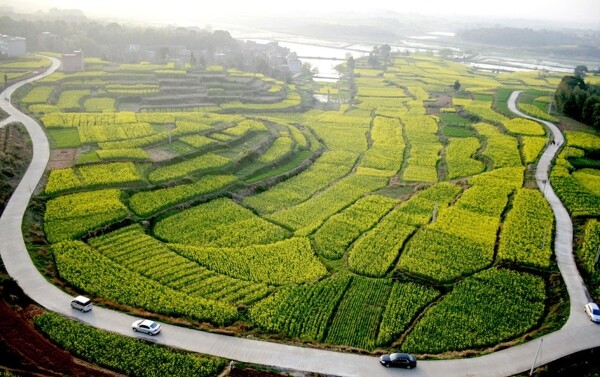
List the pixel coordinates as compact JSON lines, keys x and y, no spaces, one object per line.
{"x":139,"y":142}
{"x":333,"y":238}
{"x":69,"y":99}
{"x":586,"y":254}
{"x":459,"y":160}
{"x":292,"y":100}
{"x":91,"y":272}
{"x":329,"y":167}
{"x":220,"y":222}
{"x":503,"y":150}
{"x":461,"y":239}
{"x":136,"y":251}
{"x":357,"y":318}
{"x":132,"y":88}
{"x":133,"y":154}
{"x":536,"y":112}
{"x":246,"y":126}
{"x":199,"y":141}
{"x":583,"y":140}
{"x":290,"y":261}
{"x":532,"y":147}
{"x":524,"y":127}
{"x":526,"y":235}
{"x":590,"y":179}
{"x":405,"y":301}
{"x":54,"y":120}
{"x":113,"y":132}
{"x":578,"y":200}
{"x":511,"y":177}
{"x":462,"y":319}
{"x":281,"y":147}
{"x":39,"y":94}
{"x":99,"y":104}
{"x":301,"y":311}
{"x":484,"y":111}
{"x":424,"y":145}
{"x":343,"y":137}
{"x":307,"y":216}
{"x":146,"y":203}
{"x":387,"y":151}
{"x":132,"y":357}
{"x":194,"y":165}
{"x":374,"y":253}
{"x":61,"y":180}
{"x":42,"y":108}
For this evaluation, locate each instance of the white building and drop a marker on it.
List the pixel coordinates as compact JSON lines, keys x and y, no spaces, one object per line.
{"x":12,"y":46}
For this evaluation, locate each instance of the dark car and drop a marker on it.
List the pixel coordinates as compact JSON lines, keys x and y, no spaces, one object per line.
{"x":402,"y":360}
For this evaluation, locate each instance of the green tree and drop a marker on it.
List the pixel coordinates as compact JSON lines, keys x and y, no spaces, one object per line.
{"x":580,"y":71}
{"x":456,"y":86}
{"x":350,"y":63}
{"x":590,"y":110}
{"x":446,"y":53}
{"x":386,"y":54}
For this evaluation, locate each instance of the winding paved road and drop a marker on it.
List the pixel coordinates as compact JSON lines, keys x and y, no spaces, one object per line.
{"x":578,"y":333}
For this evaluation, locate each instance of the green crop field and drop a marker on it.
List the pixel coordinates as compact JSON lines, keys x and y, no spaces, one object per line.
{"x":386,"y":223}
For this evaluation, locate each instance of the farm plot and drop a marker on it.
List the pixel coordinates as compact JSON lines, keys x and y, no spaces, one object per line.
{"x":220,"y":222}
{"x":333,"y":238}
{"x":501,"y":149}
{"x":329,"y":167}
{"x":307,"y":216}
{"x":424,"y":148}
{"x":386,"y":154}
{"x":146,"y":203}
{"x":285,"y":262}
{"x":526,"y":236}
{"x":375,"y":252}
{"x":134,"y":250}
{"x":461,"y":240}
{"x":276,"y":220}
{"x":72,"y":216}
{"x":301,"y":311}
{"x":90,"y":271}
{"x":98,"y":175}
{"x":459,"y":157}
{"x":461,"y":320}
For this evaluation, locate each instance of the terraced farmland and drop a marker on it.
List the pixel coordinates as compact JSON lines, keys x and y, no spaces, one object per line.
{"x":239,"y":206}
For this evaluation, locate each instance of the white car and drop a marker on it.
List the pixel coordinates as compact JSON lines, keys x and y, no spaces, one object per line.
{"x":146,"y":326}
{"x":593,"y":312}
{"x":82,"y":303}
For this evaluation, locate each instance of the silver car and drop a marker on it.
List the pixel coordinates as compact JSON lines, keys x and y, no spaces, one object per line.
{"x":592,"y":310}
{"x":146,"y":326}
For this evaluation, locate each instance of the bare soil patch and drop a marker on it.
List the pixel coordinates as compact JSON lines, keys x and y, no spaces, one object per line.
{"x":62,"y":158}
{"x":157,"y":154}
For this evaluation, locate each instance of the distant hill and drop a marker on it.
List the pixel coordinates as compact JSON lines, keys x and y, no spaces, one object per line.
{"x":569,"y":43}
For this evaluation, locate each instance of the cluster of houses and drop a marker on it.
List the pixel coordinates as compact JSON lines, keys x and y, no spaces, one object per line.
{"x":12,"y":46}
{"x":268,"y":58}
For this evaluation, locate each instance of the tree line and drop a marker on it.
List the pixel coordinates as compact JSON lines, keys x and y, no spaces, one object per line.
{"x":578,"y":99}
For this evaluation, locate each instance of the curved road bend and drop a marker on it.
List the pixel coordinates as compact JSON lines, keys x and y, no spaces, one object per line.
{"x":578,"y":334}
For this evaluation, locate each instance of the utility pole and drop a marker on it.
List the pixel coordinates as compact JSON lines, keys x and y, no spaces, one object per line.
{"x":170,"y":127}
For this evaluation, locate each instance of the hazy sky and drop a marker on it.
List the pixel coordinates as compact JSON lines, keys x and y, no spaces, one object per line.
{"x":584,"y":11}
